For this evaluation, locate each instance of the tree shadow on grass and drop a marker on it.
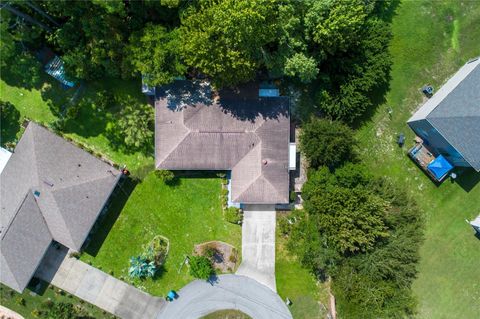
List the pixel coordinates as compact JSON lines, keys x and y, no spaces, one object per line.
{"x":117,"y":201}
{"x":9,"y":123}
{"x":378,"y":97}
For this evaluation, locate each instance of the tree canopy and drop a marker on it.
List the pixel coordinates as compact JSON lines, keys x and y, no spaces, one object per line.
{"x":365,"y":233}
{"x":225,"y":39}
{"x":326,"y":142}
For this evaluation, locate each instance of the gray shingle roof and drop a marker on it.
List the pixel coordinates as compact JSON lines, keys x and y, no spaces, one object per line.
{"x":454,"y":111}
{"x":72,"y":187}
{"x":248,"y":135}
{"x":24,"y":241}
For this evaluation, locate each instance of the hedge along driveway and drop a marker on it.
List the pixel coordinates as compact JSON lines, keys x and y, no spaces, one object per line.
{"x":187,"y":213}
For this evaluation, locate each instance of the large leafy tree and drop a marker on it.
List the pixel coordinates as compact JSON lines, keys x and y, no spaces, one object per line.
{"x":326,"y":142}
{"x":135,"y":124}
{"x":352,"y":219}
{"x":91,"y":38}
{"x":363,"y":232}
{"x":155,"y":53}
{"x":224,"y":38}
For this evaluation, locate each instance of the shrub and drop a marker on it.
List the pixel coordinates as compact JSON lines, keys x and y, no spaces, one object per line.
{"x":325,"y":142}
{"x":156,"y":250}
{"x":47,"y":303}
{"x":165,"y":176}
{"x":210,"y":252}
{"x":141,"y":268}
{"x":20,"y":301}
{"x":201,"y":267}
{"x":233,"y":215}
{"x":293,"y":196}
{"x":36,"y":313}
{"x":103,"y":99}
{"x":135,"y":124}
{"x":75,"y":254}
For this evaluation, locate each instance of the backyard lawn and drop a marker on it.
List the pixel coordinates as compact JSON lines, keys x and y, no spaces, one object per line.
{"x":91,"y":126}
{"x":187,"y":213}
{"x":298,"y":284}
{"x":432,"y":39}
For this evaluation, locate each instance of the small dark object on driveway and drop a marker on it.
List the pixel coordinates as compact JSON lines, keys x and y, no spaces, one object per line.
{"x":428,"y":90}
{"x":401,"y":140}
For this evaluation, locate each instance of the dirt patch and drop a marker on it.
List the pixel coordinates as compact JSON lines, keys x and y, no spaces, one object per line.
{"x":224,"y":256}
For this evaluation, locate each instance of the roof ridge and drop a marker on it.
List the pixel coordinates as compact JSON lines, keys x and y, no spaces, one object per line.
{"x":260,"y":174}
{"x":175,"y":148}
{"x":97,"y":178}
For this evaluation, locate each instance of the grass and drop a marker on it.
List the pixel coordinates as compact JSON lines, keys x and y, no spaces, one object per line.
{"x":187,"y":213}
{"x":309,"y":297}
{"x":90,"y":126}
{"x":227,"y":314}
{"x":432,"y":39}
{"x":9,"y":298}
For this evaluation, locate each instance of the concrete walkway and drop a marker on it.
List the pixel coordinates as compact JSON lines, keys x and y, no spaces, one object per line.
{"x":200,"y":298}
{"x":97,"y":287}
{"x":258,"y":244}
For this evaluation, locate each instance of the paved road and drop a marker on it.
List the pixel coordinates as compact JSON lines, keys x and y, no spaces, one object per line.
{"x":200,"y":298}
{"x":258,"y":244}
{"x":96,"y":287}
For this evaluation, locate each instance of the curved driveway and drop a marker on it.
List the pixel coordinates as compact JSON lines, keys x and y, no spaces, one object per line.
{"x":200,"y":298}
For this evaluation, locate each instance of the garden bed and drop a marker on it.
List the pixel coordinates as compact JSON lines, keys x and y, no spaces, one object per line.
{"x":224,"y":256}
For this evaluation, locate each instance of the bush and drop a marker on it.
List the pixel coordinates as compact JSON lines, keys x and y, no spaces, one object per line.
{"x":135,"y":124}
{"x":156,"y":250}
{"x":20,"y":301}
{"x":325,"y":142}
{"x":233,"y":215}
{"x":201,"y":267}
{"x":140,"y":267}
{"x":165,"y":176}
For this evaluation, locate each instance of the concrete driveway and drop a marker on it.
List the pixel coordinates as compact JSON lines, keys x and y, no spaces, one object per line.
{"x":258,"y":244}
{"x":200,"y":298}
{"x":97,"y":287}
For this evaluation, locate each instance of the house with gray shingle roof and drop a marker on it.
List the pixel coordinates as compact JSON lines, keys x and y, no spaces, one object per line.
{"x":237,"y":131}
{"x":51,"y":191}
{"x":449,"y":122}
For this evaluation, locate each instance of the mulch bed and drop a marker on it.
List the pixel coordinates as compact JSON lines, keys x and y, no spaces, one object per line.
{"x":225,"y":258}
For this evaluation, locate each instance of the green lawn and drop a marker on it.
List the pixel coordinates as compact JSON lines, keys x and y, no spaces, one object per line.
{"x":10,"y":299}
{"x":298,"y":284}
{"x":90,"y":126}
{"x":432,"y":39}
{"x":187,"y":213}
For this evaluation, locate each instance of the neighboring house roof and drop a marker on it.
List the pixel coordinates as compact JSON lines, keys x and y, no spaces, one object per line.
{"x":239,"y":132}
{"x":70,"y":188}
{"x":454,"y":111}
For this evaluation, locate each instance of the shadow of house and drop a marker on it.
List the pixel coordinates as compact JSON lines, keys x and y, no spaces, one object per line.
{"x":113,"y":209}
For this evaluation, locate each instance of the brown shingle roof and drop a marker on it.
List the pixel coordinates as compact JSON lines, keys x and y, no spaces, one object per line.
{"x":248,"y":136}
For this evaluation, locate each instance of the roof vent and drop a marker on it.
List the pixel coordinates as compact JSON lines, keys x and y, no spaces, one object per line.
{"x":264,"y":162}
{"x":48,"y":183}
